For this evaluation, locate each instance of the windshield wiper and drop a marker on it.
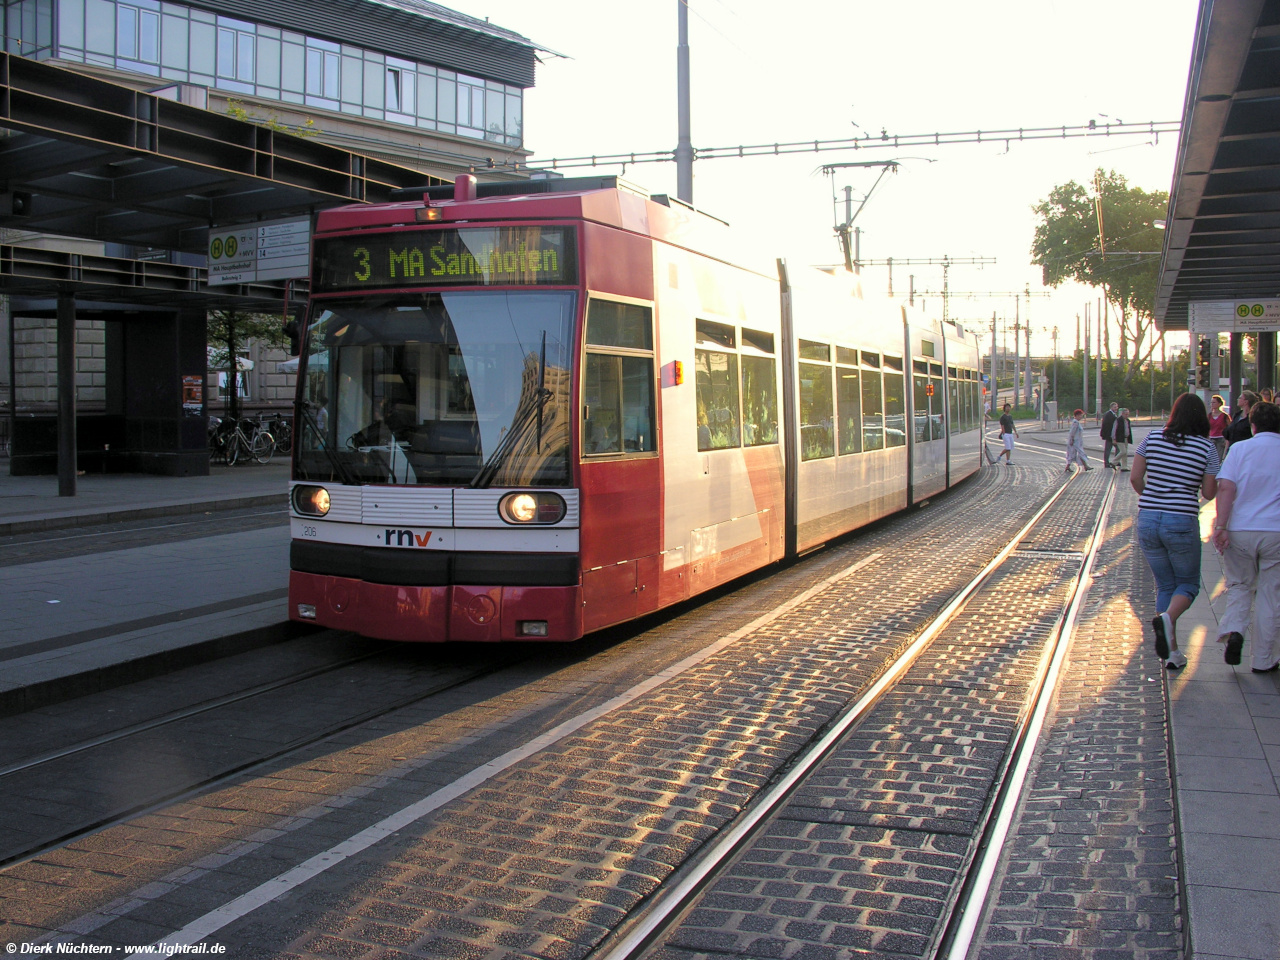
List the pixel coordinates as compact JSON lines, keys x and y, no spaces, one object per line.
{"x":530,"y":411}
{"x":339,"y":467}
{"x":542,"y":386}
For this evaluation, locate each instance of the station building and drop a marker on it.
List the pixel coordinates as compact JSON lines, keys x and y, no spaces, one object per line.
{"x":405,"y":81}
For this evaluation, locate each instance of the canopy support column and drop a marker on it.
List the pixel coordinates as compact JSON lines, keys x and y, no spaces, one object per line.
{"x":66,"y":394}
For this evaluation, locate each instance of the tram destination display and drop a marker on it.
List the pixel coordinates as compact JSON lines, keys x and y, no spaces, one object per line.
{"x":468,"y":257}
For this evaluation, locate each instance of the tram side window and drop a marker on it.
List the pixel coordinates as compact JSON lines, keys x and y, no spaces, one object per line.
{"x":759,"y":400}
{"x":613,"y":324}
{"x":849,"y":405}
{"x":617,"y":388}
{"x":817,"y":431}
{"x":923,"y":430}
{"x":939,"y":401}
{"x":953,"y":394}
{"x":895,"y":404}
{"x":717,"y":395}
{"x":872,"y":403}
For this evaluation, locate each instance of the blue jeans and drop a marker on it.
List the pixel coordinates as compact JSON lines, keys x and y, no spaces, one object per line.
{"x":1171,"y":544}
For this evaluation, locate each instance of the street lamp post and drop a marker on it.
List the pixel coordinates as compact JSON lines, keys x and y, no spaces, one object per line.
{"x":1055,"y":363}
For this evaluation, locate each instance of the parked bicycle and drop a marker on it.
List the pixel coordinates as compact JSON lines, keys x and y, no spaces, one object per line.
{"x":281,"y":429}
{"x":233,"y":441}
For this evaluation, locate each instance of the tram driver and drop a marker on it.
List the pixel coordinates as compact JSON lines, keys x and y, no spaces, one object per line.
{"x":393,"y":423}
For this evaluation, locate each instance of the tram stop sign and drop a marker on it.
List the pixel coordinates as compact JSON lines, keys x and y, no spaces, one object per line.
{"x":267,"y":250}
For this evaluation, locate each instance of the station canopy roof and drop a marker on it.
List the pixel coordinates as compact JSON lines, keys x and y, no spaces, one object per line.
{"x":1222,"y":239}
{"x":86,"y":158}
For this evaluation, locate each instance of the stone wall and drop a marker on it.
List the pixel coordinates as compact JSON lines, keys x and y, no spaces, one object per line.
{"x":36,"y":364}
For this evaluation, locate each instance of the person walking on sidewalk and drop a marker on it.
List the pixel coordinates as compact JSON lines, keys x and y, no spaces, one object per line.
{"x":1172,"y":469}
{"x":1075,"y":441}
{"x":1108,"y":424}
{"x":1122,"y":436}
{"x":1247,"y":534}
{"x":1007,"y":432}
{"x":1219,"y":420}
{"x":1239,"y":429}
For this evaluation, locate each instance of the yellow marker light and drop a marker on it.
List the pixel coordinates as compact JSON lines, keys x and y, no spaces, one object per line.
{"x":312,"y":501}
{"x":539,"y":508}
{"x":428,"y":214}
{"x":677,"y":372}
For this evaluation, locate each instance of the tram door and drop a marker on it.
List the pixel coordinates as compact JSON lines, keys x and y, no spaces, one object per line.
{"x":619,"y":468}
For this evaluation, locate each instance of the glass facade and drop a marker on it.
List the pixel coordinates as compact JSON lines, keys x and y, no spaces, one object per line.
{"x":183,"y":44}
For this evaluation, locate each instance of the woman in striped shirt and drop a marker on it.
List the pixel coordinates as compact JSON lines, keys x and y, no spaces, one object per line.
{"x":1172,"y":469}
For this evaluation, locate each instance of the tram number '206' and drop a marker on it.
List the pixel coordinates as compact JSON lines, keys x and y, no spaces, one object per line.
{"x":309,"y":531}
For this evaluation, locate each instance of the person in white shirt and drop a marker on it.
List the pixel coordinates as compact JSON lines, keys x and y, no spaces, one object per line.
{"x":1247,"y":534}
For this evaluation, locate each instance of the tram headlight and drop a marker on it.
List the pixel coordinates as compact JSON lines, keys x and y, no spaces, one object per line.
{"x":535,"y":508}
{"x":313,"y":501}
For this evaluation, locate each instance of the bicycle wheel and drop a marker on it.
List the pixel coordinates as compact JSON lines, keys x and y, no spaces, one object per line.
{"x":234,"y":451}
{"x":284,"y":437}
{"x":263,"y":446}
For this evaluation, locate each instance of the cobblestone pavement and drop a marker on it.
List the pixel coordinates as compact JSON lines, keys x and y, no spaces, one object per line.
{"x":867,"y":857}
{"x":1090,"y":869}
{"x":548,"y":856}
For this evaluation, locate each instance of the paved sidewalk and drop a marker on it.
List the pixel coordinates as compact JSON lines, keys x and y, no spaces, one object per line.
{"x":78,"y":624}
{"x":32,"y":503}
{"x":1226,"y":741}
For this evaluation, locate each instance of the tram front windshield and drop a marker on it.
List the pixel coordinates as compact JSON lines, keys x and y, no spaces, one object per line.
{"x":457,"y":388}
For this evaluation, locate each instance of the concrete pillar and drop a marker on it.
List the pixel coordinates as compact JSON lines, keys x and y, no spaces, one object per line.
{"x":66,"y":395}
{"x":1236,"y":366}
{"x":1267,"y":360}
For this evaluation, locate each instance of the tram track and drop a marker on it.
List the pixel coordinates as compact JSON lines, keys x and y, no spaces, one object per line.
{"x":22,"y":779}
{"x":834,"y":586}
{"x":647,"y":931}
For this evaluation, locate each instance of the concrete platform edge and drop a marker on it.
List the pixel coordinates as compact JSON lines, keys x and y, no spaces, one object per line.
{"x":1179,"y":848}
{"x":77,"y":684}
{"x":64,"y":521}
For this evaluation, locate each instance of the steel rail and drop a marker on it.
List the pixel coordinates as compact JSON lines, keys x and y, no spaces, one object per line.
{"x":183,"y":714}
{"x":202,"y":786}
{"x":958,"y":938}
{"x":642,"y":932}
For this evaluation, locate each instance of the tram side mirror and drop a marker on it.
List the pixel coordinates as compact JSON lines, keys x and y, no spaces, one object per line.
{"x":294,"y":333}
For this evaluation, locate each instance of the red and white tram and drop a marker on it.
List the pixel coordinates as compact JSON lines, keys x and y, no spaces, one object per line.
{"x":529,"y":411}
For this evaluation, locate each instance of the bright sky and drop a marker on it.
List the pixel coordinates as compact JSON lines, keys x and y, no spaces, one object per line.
{"x":764,"y":72}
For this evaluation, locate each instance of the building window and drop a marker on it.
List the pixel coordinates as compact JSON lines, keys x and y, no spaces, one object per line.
{"x":470,"y":106}
{"x":137,"y":34}
{"x":236,"y":51}
{"x":401,"y":80}
{"x":323,"y":71}
{"x":191,"y":45}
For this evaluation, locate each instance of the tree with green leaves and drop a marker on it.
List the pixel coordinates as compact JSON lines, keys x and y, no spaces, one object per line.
{"x":228,"y":332}
{"x":1104,"y":235}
